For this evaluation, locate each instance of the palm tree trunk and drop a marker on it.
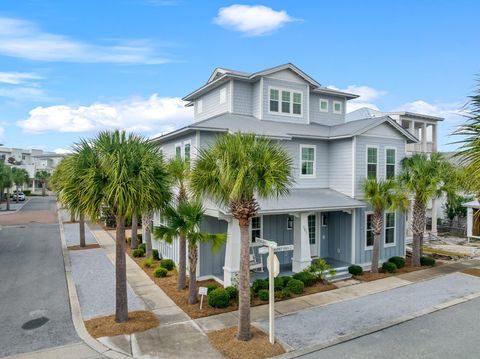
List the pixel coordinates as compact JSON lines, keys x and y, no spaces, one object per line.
{"x":121,"y":309}
{"x":192,"y":260}
{"x":418,"y":227}
{"x":43,"y":188}
{"x":182,"y":263}
{"x":133,"y":243}
{"x":377,"y":224}
{"x":244,"y":283}
{"x":8,"y":199}
{"x":147,"y":226}
{"x":16,"y":199}
{"x":81,"y":225}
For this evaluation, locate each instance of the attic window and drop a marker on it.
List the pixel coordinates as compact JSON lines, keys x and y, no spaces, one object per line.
{"x":337,"y":107}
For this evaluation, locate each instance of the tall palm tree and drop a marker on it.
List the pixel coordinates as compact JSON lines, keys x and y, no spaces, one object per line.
{"x":382,"y":196}
{"x":185,"y":220}
{"x":235,"y":171}
{"x":128,"y":172}
{"x":179,"y":170}
{"x":147,"y":218}
{"x":134,"y":234}
{"x":43,"y":176}
{"x":425,"y":179}
{"x":20,"y":176}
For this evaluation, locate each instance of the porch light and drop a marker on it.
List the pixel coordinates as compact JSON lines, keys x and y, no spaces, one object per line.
{"x":290,"y":223}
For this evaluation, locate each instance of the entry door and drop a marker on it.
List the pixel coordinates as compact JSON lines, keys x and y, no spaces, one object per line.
{"x":313,"y":235}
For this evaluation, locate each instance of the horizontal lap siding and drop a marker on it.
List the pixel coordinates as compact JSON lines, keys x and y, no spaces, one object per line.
{"x":211,"y":263}
{"x":211,"y":103}
{"x":340,"y":166}
{"x":242,"y":98}
{"x":326,"y":118}
{"x":275,"y":229}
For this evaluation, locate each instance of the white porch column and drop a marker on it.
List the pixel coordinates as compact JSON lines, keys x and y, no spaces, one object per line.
{"x":469,"y":222}
{"x":411,"y":128}
{"x":434,"y":217}
{"x":301,"y":250}
{"x":232,"y":252}
{"x":424,"y":137}
{"x":434,"y":138}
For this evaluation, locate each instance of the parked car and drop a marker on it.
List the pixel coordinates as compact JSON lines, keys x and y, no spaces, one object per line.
{"x":21,"y":196}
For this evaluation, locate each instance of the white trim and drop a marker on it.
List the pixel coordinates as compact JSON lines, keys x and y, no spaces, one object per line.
{"x":291,"y":91}
{"x":313,"y":175}
{"x":354,"y":145}
{"x":387,"y":245}
{"x":320,"y":104}
{"x":368,"y":248}
{"x":354,"y":224}
{"x":231,"y":96}
{"x":366,"y":159}
{"x":199,"y":106}
{"x":341,"y":107}
{"x":261,"y":98}
{"x":307,"y":103}
{"x":395,"y":164}
{"x":222,"y":90}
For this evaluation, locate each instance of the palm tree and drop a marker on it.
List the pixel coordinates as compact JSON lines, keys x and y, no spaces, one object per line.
{"x":43,"y":177}
{"x":20,"y":176}
{"x":234,"y":171}
{"x":185,"y":221}
{"x":6,"y":180}
{"x":425,"y":179}
{"x":147,"y":218}
{"x":382,"y":196}
{"x":128,"y":172}
{"x":179,"y":170}
{"x":134,"y":239}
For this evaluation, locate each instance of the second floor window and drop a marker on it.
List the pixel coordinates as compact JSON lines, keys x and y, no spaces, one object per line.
{"x":372,"y":161}
{"x":390,"y":160}
{"x":285,"y":102}
{"x":323,"y":105}
{"x":186,"y":151}
{"x":274,"y":100}
{"x":307,"y":160}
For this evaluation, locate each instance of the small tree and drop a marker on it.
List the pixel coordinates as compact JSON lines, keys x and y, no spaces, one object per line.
{"x":20,"y":176}
{"x":6,"y":180}
{"x":43,"y":176}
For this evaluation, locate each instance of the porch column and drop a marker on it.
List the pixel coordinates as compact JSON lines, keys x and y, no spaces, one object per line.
{"x":434,"y":138}
{"x":424,"y":137}
{"x":434,"y":217}
{"x":232,"y":252}
{"x":301,"y":250}
{"x":469,"y":222}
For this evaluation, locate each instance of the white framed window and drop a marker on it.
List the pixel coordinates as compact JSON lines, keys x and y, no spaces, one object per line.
{"x":285,"y":102}
{"x":372,"y":162}
{"x":286,"y":98}
{"x":312,"y":228}
{"x":274,"y":100}
{"x":369,"y":236}
{"x":178,"y":151}
{"x":297,"y":103}
{"x":256,"y":228}
{"x":307,"y":160}
{"x":390,"y":162}
{"x":323,"y":105}
{"x":290,"y":223}
{"x":389,"y":229}
{"x":223,"y":95}
{"x":187,"y":148}
{"x":199,"y":106}
{"x":337,"y":107}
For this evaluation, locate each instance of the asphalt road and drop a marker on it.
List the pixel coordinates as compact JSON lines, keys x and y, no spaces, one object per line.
{"x":449,"y":333}
{"x":33,"y":288}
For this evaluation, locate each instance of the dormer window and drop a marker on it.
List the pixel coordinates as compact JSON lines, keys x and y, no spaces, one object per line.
{"x":291,"y":102}
{"x":323,"y":105}
{"x":337,"y":107}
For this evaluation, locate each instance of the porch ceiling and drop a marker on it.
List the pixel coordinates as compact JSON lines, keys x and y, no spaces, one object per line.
{"x":309,"y":199}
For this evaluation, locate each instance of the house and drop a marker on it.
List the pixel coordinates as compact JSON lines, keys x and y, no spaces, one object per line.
{"x":324,"y":215}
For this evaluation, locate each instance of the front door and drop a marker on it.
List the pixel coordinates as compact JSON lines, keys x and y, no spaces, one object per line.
{"x":313,"y":235}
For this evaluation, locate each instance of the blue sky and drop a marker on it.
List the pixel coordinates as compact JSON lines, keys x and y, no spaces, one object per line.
{"x":70,"y":68}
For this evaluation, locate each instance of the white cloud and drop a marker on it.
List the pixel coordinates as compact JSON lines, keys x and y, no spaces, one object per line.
{"x":368,"y":96}
{"x":252,"y":20}
{"x":155,"y":114}
{"x":62,"y":151}
{"x":17,"y":78}
{"x":23,"y":39}
{"x":24,"y":93}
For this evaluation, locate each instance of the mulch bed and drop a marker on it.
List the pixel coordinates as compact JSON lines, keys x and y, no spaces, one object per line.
{"x":138,"y":321}
{"x":472,"y":271}
{"x":369,"y":276}
{"x":258,"y":347}
{"x":88,"y":246}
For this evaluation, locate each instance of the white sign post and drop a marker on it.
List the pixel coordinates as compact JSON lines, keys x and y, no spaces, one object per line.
{"x":202,"y":291}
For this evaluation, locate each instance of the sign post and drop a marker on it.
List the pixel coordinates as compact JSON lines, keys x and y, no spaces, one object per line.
{"x":202,"y":291}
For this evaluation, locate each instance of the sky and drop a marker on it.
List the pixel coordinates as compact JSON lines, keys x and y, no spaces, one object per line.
{"x":71,"y":68}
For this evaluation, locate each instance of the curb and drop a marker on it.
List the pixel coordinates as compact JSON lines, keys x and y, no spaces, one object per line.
{"x":376,"y":328}
{"x":75,"y":304}
{"x":3,"y":212}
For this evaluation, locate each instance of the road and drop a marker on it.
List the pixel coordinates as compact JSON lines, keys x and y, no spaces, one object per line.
{"x":449,"y":333}
{"x":34,"y":306}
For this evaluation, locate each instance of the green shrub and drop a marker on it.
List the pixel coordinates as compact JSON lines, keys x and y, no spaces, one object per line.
{"x":320,"y":269}
{"x":139,"y":238}
{"x":27,"y":192}
{"x":211,"y":287}
{"x":218,"y":298}
{"x":389,"y":267}
{"x":142,"y":246}
{"x":427,"y":261}
{"x":156,"y":255}
{"x":138,"y":252}
{"x":278,"y":283}
{"x":295,"y":286}
{"x":160,"y":272}
{"x":282,"y":294}
{"x":307,"y":278}
{"x":259,"y":284}
{"x":168,"y":264}
{"x":232,"y":292}
{"x":148,"y":262}
{"x":399,"y":261}
{"x":286,"y":279}
{"x":355,"y":270}
{"x":263,"y":294}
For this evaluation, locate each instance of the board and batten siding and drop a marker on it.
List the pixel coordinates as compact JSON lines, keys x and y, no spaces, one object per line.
{"x":326,"y":118}
{"x":242,"y":98}
{"x":210,"y":262}
{"x":339,"y":236}
{"x":275,"y":229}
{"x":211,"y":105}
{"x":340,"y":164}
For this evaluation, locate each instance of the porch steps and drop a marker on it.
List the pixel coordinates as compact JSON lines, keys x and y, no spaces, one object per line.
{"x":342,"y":273}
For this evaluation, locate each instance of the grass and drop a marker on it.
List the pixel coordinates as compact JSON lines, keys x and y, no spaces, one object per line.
{"x":138,"y":321}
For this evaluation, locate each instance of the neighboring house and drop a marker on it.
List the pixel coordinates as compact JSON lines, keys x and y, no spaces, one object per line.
{"x":32,"y":161}
{"x":425,"y":128}
{"x":324,"y":215}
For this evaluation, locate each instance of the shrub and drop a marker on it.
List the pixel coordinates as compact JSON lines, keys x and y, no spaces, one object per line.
{"x":168,"y":264}
{"x":142,"y":246}
{"x":389,"y":267}
{"x":138,"y":252}
{"x":259,"y":284}
{"x":211,"y":287}
{"x":148,"y":262}
{"x":160,"y":272}
{"x":320,"y":269}
{"x":218,"y":298}
{"x":427,"y":261}
{"x":307,"y":278}
{"x":282,"y":294}
{"x":399,"y":261}
{"x":295,"y":286}
{"x":156,"y":255}
{"x":263,"y":294}
{"x":232,"y":292}
{"x":355,"y":270}
{"x":286,"y":279}
{"x":278,"y":283}
{"x":27,"y":192}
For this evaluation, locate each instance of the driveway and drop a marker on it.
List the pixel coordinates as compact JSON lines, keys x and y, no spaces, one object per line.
{"x":34,"y":306}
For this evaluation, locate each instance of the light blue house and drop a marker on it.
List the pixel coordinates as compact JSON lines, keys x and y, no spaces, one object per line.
{"x":324,"y":215}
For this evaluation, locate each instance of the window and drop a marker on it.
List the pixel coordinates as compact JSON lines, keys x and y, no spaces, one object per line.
{"x":223,"y":95}
{"x":372,"y":160}
{"x":307,"y":160}
{"x":178,"y":151}
{"x":274,"y":100}
{"x":312,"y":228}
{"x":186,"y":151}
{"x":369,"y":231}
{"x":256,"y":228}
{"x":337,"y":107}
{"x":297,"y":103}
{"x":323,"y":105}
{"x":199,"y":106}
{"x":289,"y":223}
{"x":390,"y":229}
{"x":286,"y":101}
{"x":390,"y":159}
